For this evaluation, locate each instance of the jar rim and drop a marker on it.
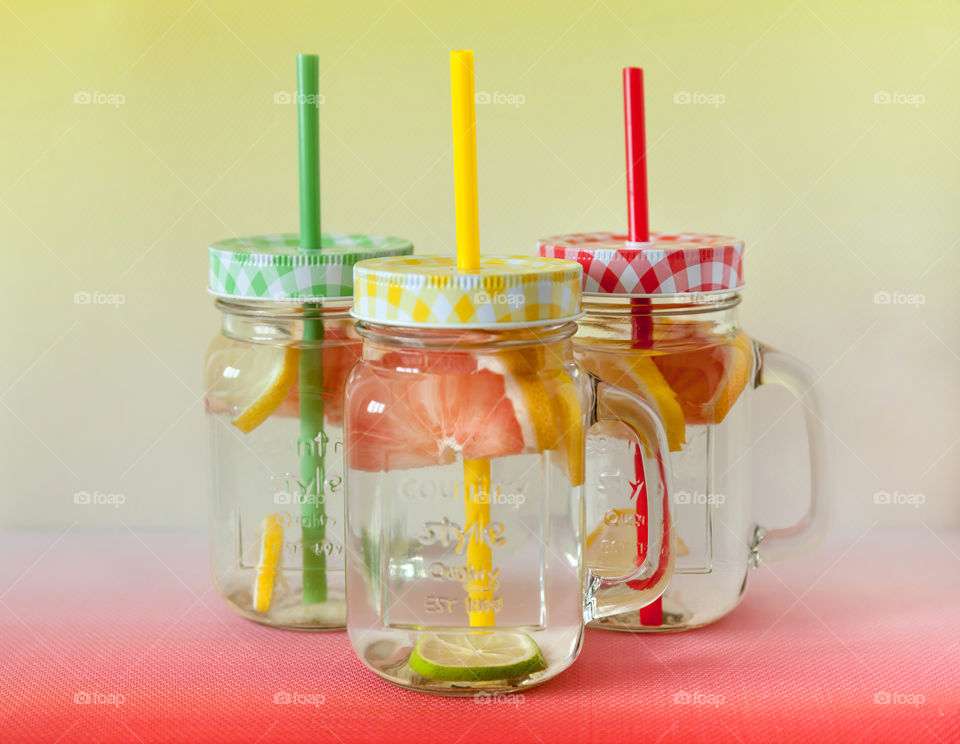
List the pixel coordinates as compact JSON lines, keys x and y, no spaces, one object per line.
{"x":331,"y":307}
{"x":491,"y":327}
{"x":422,"y":337}
{"x":686,"y":304}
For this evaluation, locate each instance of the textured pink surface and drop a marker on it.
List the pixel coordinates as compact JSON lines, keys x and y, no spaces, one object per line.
{"x":803,"y":659}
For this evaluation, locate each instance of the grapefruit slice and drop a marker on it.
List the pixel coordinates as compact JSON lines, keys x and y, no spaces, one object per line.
{"x":339,"y":356}
{"x":708,"y":379}
{"x":415,"y":408}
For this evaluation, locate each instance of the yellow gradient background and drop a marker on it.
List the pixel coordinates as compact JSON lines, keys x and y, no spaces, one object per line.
{"x":838,"y":197}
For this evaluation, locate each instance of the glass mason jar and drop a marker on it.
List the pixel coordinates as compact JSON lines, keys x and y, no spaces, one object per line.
{"x":274,"y":380}
{"x":660,"y":319}
{"x":464,"y":432}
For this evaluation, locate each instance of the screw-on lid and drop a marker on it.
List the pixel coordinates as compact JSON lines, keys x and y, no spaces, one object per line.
{"x":669,"y":263}
{"x":271,"y":267}
{"x":429,"y":291}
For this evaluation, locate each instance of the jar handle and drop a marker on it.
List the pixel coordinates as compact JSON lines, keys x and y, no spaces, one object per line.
{"x":609,"y":595}
{"x":770,"y":545}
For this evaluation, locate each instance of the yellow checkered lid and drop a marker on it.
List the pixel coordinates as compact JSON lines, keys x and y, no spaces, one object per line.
{"x":430,"y":292}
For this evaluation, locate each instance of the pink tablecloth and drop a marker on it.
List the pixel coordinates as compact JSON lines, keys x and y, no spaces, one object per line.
{"x":119,"y":637}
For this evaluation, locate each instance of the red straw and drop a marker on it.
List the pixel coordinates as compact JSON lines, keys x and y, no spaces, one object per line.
{"x":638,"y":219}
{"x":637,"y":213}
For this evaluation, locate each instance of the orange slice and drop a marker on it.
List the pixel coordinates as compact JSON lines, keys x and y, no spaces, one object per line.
{"x":637,"y":373}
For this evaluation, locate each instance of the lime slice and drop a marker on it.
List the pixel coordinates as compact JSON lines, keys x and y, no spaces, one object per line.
{"x":473,"y":657}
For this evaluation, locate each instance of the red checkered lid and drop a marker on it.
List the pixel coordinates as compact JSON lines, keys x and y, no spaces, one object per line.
{"x":669,"y":263}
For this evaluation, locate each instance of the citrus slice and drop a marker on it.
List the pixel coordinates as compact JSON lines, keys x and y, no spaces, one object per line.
{"x":412,"y":409}
{"x":637,"y":373}
{"x":612,"y":548}
{"x":270,"y":544}
{"x":248,"y":382}
{"x":546,"y":397}
{"x":473,"y":657}
{"x":341,"y":350}
{"x":566,"y":399}
{"x":270,"y":389}
{"x":708,"y":378}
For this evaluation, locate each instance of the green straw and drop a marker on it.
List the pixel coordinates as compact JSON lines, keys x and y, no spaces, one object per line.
{"x":312,"y":442}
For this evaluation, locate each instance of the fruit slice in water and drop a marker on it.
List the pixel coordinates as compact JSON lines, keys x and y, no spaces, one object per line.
{"x":250,"y":382}
{"x":267,"y":566}
{"x":341,"y":350}
{"x":338,"y":360}
{"x":637,"y":373}
{"x":415,"y":409}
{"x":439,"y":404}
{"x":473,"y":657}
{"x":708,"y":379}
{"x":546,"y":397}
{"x":612,"y":548}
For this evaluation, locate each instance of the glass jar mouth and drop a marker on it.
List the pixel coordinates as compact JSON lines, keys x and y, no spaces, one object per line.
{"x":618,"y":305}
{"x":464,"y":338}
{"x":332,"y":308}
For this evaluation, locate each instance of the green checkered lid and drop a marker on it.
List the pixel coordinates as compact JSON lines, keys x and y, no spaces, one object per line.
{"x":271,"y":267}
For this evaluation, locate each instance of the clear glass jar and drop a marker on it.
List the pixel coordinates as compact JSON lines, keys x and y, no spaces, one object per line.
{"x":465,"y":520}
{"x":277,"y":515}
{"x":688,"y":356}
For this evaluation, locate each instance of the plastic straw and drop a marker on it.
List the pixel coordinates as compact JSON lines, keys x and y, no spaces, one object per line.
{"x":312,"y":442}
{"x":465,"y":160}
{"x":476,"y":473}
{"x":638,"y":216}
{"x":641,"y":321}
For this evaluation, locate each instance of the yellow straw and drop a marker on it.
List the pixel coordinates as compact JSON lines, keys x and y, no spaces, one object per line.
{"x":476,"y":504}
{"x":476,"y":473}
{"x":465,"y":160}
